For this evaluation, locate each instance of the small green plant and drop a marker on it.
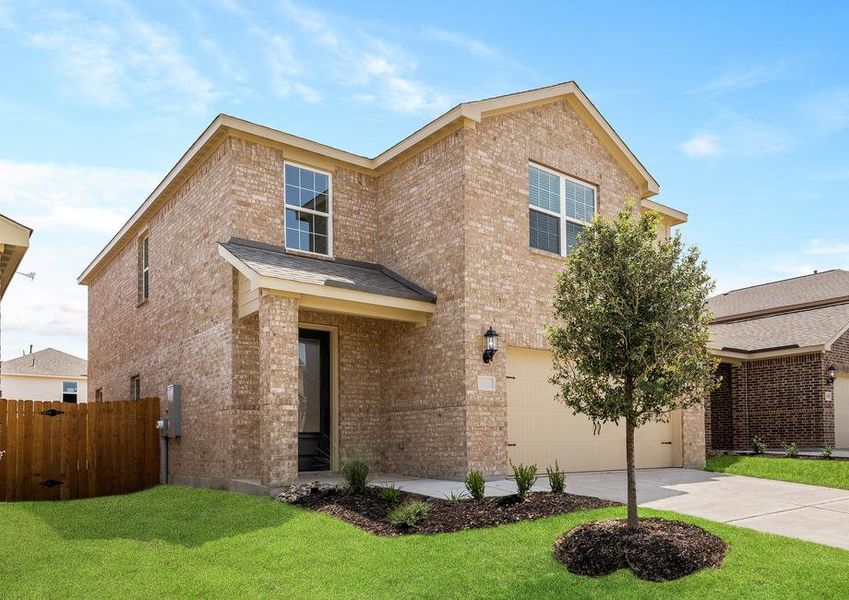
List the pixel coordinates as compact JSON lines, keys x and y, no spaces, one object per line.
{"x":791,"y":450}
{"x":390,"y":494}
{"x":355,"y":471}
{"x":826,"y":451}
{"x":525,"y":477}
{"x":556,"y":478}
{"x":758,"y":446}
{"x":455,"y":496}
{"x":410,"y":513}
{"x":475,"y":485}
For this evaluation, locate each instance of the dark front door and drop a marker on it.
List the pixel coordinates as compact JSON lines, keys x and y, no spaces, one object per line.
{"x":313,"y":400}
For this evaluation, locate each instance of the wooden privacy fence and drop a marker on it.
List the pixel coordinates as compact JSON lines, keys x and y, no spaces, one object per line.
{"x":61,"y":451}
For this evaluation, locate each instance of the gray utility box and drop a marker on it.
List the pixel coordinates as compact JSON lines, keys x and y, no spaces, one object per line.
{"x":175,"y":411}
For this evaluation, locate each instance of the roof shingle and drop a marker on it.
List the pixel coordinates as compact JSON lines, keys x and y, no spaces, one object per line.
{"x":46,"y":362}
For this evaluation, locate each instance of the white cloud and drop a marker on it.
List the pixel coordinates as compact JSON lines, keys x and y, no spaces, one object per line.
{"x":462,"y":41}
{"x":820,"y":247}
{"x":741,"y":79}
{"x":381,"y":73}
{"x":830,"y":110}
{"x":114,"y":65}
{"x":702,"y":146}
{"x":74,"y":210}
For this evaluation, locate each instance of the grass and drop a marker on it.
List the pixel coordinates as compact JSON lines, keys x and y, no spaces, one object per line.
{"x":183,"y":542}
{"x":828,"y":473}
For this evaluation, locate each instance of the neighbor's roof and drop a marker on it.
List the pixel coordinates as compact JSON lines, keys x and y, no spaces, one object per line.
{"x":798,"y":329}
{"x":46,"y":362}
{"x":273,"y":261}
{"x":827,"y":287}
{"x":14,"y":241}
{"x":465,"y":112}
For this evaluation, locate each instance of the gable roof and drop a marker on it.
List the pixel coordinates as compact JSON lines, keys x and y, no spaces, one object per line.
{"x":46,"y":362}
{"x":807,"y":291}
{"x":465,"y":112}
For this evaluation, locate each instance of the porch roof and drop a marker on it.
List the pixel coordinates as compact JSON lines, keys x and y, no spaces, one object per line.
{"x":335,"y":285}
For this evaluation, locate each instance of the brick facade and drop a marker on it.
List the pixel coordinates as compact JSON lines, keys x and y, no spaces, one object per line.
{"x":781,"y":400}
{"x":452,"y":217}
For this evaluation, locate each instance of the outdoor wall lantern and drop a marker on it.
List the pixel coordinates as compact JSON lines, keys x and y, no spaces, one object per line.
{"x":832,"y":373}
{"x":491,"y":345}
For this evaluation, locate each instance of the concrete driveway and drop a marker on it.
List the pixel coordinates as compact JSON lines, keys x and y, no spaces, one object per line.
{"x":806,"y":512}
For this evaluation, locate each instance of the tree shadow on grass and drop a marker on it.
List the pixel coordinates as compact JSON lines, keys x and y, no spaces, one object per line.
{"x":173,"y":514}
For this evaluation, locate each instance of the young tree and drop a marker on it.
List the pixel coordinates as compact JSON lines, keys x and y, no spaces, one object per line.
{"x":631,"y":341}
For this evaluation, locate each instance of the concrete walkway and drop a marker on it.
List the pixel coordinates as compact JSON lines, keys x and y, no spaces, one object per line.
{"x":806,"y":512}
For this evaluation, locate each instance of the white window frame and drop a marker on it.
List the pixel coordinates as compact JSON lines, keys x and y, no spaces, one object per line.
{"x":144,"y":273}
{"x":135,"y":387}
{"x":328,"y":214}
{"x":562,"y":214}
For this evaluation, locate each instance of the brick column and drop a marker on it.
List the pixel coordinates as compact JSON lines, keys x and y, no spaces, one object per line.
{"x":741,"y":436}
{"x":693,"y":433}
{"x":278,"y":384}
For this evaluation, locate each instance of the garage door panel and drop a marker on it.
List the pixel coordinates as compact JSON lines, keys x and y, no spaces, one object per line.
{"x":542,"y":430}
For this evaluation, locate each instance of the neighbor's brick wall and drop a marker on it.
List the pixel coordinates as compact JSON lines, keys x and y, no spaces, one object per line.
{"x":182,"y":334}
{"x":508,"y":284}
{"x":781,"y":400}
{"x":719,"y":432}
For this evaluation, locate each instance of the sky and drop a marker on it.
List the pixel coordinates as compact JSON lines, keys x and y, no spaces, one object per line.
{"x":739,"y":110}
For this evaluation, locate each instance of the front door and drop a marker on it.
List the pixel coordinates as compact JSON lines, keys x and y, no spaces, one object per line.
{"x":313,"y":400}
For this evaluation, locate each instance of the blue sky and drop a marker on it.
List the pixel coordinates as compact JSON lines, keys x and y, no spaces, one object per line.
{"x":740,"y":110}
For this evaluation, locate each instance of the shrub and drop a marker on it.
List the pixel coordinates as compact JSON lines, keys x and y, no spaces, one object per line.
{"x":410,"y":513}
{"x":525,"y":477}
{"x":475,"y":485}
{"x":758,"y":445}
{"x":355,"y":471}
{"x":390,"y":494}
{"x":791,"y":450}
{"x":556,"y":478}
{"x":455,"y":496}
{"x":826,"y":451}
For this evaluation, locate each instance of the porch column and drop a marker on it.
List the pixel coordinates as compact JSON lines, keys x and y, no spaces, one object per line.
{"x":278,"y":381}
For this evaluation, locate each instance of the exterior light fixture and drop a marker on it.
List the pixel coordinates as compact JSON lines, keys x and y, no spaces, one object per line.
{"x":832,"y":373}
{"x":490,"y":345}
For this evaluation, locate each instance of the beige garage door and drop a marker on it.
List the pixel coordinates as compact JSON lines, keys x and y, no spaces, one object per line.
{"x":541,"y":430}
{"x":841,"y":412}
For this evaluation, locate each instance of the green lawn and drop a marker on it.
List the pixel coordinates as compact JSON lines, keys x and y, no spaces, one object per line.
{"x":175,"y":541}
{"x":829,"y":473}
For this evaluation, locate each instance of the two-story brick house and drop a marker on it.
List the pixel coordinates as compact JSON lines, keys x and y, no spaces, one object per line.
{"x":313,"y":303}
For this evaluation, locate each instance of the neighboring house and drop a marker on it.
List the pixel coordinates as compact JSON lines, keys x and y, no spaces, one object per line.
{"x":778,"y":343}
{"x":14,"y":242}
{"x":48,"y":374}
{"x":314,"y":303}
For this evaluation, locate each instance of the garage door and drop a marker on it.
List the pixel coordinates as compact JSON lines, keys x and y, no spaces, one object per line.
{"x":541,"y":430}
{"x":841,"y":412}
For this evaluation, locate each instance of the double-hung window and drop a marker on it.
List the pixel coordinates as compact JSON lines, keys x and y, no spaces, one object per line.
{"x":308,"y":210}
{"x":144,"y":268}
{"x":560,"y":208}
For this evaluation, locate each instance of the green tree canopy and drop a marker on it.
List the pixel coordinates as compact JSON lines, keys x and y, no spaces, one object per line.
{"x":631,"y":339}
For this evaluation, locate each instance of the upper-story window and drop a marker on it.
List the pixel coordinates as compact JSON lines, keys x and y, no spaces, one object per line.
{"x":560,"y":208}
{"x":308,"y":210}
{"x":144,"y":268}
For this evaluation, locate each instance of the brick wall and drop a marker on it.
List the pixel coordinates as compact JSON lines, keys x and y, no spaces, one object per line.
{"x":780,"y":400}
{"x":719,"y":434}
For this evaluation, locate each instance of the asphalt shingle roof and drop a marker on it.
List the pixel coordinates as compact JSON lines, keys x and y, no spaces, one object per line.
{"x":46,"y":362}
{"x":818,"y":287}
{"x":273,"y":261}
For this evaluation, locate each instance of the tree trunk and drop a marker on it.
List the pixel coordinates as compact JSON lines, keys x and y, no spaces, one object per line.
{"x":632,"y":480}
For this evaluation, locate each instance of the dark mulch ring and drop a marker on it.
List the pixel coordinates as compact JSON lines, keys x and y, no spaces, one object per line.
{"x":658,"y":550}
{"x":368,"y":511}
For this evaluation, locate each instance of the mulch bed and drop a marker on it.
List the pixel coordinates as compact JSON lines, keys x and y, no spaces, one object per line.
{"x":658,"y":550}
{"x":369,"y":512}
